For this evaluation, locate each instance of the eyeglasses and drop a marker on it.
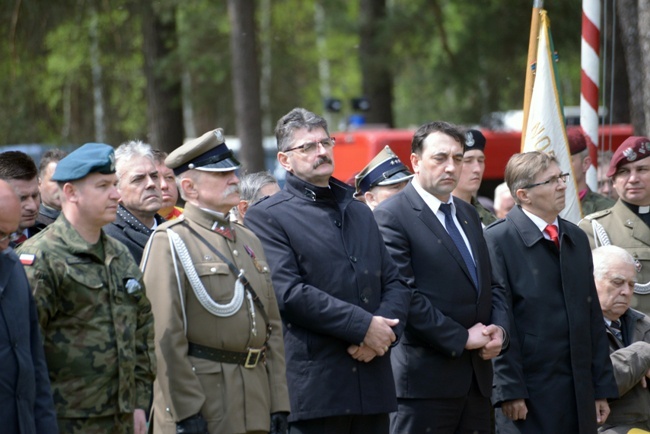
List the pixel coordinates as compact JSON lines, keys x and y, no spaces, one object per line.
{"x":311,"y":147}
{"x":554,"y":180}
{"x":14,"y":236}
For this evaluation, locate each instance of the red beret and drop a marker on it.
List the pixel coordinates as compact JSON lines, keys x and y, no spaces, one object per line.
{"x":576,"y":137}
{"x":632,"y":149}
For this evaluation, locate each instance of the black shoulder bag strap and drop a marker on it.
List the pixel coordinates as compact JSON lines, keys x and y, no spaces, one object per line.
{"x":241,"y":278}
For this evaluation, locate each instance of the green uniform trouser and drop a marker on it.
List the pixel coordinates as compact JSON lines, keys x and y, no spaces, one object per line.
{"x":115,"y":424}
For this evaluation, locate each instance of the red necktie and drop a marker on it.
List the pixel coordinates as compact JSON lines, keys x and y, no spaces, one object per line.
{"x":21,"y":239}
{"x":552,"y":232}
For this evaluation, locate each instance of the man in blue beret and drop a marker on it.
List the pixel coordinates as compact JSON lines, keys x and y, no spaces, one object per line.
{"x":95,"y":318}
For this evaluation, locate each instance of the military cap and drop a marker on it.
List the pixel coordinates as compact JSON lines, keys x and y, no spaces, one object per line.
{"x":634,"y":148}
{"x":576,"y":138}
{"x":385,"y":169}
{"x":207,"y":153}
{"x":474,"y":141}
{"x":87,"y":159}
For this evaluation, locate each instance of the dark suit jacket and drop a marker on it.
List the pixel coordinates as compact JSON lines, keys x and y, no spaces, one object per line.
{"x":430,"y":360}
{"x":558,"y":357}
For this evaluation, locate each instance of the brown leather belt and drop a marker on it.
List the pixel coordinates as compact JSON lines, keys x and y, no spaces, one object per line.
{"x":249,"y":359}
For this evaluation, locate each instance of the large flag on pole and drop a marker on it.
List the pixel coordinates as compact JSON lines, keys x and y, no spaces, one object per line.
{"x":545,"y":130}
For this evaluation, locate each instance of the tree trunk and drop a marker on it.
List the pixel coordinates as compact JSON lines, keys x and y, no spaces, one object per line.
{"x":628,"y":13}
{"x":96,"y":68}
{"x":164,"y":94}
{"x":246,"y":84}
{"x":644,"y":45}
{"x":374,"y":52}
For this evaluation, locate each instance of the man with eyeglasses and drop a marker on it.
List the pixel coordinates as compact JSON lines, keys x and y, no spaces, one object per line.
{"x":627,"y":223}
{"x":342,"y":301}
{"x":25,"y":395}
{"x":556,"y":376}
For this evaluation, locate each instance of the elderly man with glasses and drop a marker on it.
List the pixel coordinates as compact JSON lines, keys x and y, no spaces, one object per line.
{"x":341,"y":298}
{"x":556,"y":376}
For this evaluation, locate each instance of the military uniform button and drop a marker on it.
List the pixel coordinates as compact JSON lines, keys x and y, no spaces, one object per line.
{"x":213,"y":270}
{"x":265,"y":269}
{"x":235,"y":252}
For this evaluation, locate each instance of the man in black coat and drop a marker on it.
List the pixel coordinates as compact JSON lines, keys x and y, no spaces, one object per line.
{"x":556,"y":376}
{"x":341,"y":298}
{"x":457,"y":318}
{"x":26,"y":405}
{"x":138,"y":182}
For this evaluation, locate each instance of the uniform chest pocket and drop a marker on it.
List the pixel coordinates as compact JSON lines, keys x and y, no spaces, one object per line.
{"x":217,"y":279}
{"x":83,"y":291}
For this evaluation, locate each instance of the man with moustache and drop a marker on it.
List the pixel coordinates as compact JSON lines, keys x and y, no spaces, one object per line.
{"x":95,"y":318}
{"x":556,"y":376}
{"x":457,"y":320}
{"x":25,"y":394}
{"x":138,"y":183}
{"x":342,"y":301}
{"x":471,"y":174}
{"x":19,"y":170}
{"x":218,"y":332}
{"x":627,"y":223}
{"x":50,"y":206}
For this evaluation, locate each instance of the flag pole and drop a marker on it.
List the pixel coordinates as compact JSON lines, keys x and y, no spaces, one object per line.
{"x":532,"y":57}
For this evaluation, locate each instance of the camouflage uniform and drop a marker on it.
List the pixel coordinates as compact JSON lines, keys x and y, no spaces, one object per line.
{"x":96,"y":322}
{"x":487,"y":218}
{"x":593,"y":202}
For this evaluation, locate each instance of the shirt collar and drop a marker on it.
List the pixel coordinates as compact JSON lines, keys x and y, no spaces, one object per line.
{"x":431,"y":201}
{"x":539,"y":222}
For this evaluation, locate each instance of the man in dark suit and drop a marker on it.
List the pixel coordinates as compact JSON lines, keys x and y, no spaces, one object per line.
{"x":457,"y":319}
{"x":341,"y":298}
{"x":556,"y":376}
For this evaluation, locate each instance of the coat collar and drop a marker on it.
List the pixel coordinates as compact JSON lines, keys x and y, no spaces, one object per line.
{"x":68,"y":235}
{"x":336,"y":191}
{"x":529,"y":232}
{"x":212,"y":222}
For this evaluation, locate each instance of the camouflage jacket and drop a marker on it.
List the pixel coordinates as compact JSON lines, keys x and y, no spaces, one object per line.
{"x":487,"y":218}
{"x":95,"y":320}
{"x":593,"y":202}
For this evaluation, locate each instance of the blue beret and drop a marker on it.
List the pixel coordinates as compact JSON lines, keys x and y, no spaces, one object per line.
{"x":385,"y":169}
{"x":87,"y":159}
{"x":474,"y":141}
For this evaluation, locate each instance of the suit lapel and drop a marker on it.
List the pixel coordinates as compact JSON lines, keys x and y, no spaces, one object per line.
{"x":427,"y":216}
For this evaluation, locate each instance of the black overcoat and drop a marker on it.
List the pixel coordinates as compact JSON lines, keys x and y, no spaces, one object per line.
{"x":331,"y":273}
{"x":558,"y":358}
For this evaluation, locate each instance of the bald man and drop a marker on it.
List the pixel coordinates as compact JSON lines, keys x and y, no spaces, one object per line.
{"x":25,"y":394}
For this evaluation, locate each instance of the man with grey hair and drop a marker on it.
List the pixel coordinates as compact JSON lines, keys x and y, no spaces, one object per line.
{"x":628,"y":332}
{"x":253,"y":187}
{"x":342,"y":300}
{"x":138,"y":183}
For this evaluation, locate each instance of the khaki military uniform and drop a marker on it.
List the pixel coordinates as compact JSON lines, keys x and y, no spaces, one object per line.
{"x":231,"y":397}
{"x":96,"y":322}
{"x":594,"y":202}
{"x":625,"y":229}
{"x":487,"y":218}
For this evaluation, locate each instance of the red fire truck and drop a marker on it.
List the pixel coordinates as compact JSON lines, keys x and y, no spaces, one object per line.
{"x":354,"y":149}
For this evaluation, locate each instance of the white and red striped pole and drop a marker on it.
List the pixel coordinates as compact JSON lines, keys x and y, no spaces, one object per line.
{"x":589,"y":82}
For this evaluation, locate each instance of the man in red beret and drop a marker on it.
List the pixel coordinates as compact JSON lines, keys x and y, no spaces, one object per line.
{"x":590,"y":201}
{"x":627,"y":223}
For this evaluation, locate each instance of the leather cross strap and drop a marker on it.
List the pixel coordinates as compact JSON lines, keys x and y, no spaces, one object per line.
{"x":241,"y":278}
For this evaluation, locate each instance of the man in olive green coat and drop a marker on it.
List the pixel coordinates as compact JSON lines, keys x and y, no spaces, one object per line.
{"x":95,"y":317}
{"x":627,"y":223}
{"x":220,"y":351}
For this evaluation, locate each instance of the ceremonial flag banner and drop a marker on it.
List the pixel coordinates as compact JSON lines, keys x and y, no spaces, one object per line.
{"x":545,"y":130}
